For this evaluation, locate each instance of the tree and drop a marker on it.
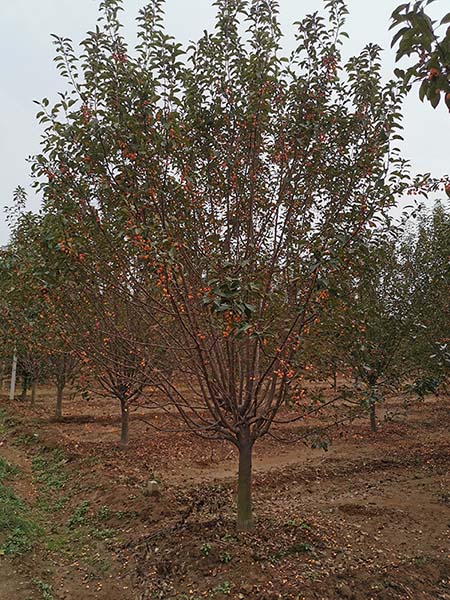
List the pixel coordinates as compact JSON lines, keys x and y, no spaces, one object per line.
{"x":418,"y":35}
{"x":90,"y":297}
{"x":430,"y":245}
{"x":112,"y":342}
{"x":236,"y":179}
{"x":20,"y":304}
{"x":379,"y":320}
{"x":64,"y":369}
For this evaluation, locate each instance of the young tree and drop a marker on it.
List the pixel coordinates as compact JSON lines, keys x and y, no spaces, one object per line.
{"x":237,"y":179}
{"x":430,"y":245}
{"x":112,"y":342}
{"x":382,"y":328}
{"x":63,"y":370}
{"x":379,"y":322}
{"x":20,"y":304}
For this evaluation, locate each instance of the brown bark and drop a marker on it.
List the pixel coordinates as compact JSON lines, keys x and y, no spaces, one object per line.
{"x":125,"y":419}
{"x":23,"y":395}
{"x":373,"y":417}
{"x":59,"y":399}
{"x":33,"y":392}
{"x":244,"y":500}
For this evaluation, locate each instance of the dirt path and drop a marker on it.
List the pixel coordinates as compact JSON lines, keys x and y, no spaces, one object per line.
{"x":369,"y":519}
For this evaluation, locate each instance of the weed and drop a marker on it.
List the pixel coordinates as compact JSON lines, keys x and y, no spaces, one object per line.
{"x":222,"y":588}
{"x":229,"y":538}
{"x":25,"y":439}
{"x":20,"y":540}
{"x":7,"y":422}
{"x":44,"y":588}
{"x":126,"y":514}
{"x":205,"y":549}
{"x":294,"y":523}
{"x":291,"y":523}
{"x":296,"y":548}
{"x":78,"y":517}
{"x":225,"y":558}
{"x":103,"y":534}
{"x":6,"y":470}
{"x":49,"y":469}
{"x":44,"y":504}
{"x":57,"y":543}
{"x":103,"y":513}
{"x":300,"y":547}
{"x":101,"y":564}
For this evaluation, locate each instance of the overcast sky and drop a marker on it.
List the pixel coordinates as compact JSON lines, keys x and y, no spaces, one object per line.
{"x":28,"y":71}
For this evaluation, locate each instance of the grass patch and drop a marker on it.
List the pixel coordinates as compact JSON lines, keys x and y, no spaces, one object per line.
{"x":6,"y":421}
{"x":19,"y":531}
{"x":79,"y":515}
{"x":48,"y":468}
{"x":7,"y":471}
{"x":47,"y":505}
{"x":25,"y":439}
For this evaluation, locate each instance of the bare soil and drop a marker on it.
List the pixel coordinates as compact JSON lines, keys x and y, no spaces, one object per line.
{"x":369,"y":519}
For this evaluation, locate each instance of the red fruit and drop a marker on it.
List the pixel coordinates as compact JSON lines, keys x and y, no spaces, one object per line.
{"x":433,"y":74}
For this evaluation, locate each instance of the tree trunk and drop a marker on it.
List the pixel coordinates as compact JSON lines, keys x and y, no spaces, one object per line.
{"x":125,"y":422}
{"x":12,"y":386}
{"x":3,"y":378}
{"x":373,"y":417}
{"x":59,"y":399}
{"x":33,"y":392}
{"x":23,"y":395}
{"x":244,"y":500}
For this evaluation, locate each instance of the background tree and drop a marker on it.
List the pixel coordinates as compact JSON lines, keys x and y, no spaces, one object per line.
{"x":430,"y":243}
{"x":21,"y":302}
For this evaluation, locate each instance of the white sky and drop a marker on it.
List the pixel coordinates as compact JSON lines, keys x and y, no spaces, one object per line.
{"x":28,"y":71}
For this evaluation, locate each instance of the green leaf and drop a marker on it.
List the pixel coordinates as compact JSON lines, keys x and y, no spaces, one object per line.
{"x":398,"y":35}
{"x":423,"y":89}
{"x":435,"y":98}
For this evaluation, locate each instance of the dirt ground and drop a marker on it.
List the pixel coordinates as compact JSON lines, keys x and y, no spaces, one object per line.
{"x":368,"y":519}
